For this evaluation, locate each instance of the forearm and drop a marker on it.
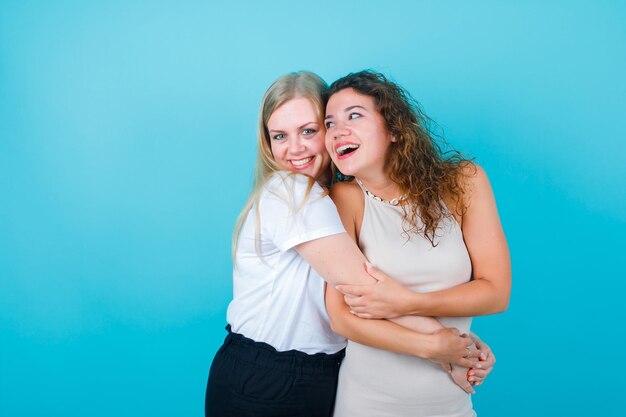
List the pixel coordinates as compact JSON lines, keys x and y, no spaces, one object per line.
{"x":445,"y":345}
{"x":475,"y":298}
{"x":419,"y":324}
{"x":380,"y":334}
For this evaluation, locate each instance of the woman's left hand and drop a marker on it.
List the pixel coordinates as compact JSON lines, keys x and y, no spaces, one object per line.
{"x":385,"y":299}
{"x":476,"y":376}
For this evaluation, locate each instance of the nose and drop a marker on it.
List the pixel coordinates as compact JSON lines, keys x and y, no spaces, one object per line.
{"x":296,"y":145}
{"x":340,"y":130}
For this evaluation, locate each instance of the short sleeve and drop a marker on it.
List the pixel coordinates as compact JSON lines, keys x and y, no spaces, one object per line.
{"x":289,"y":217}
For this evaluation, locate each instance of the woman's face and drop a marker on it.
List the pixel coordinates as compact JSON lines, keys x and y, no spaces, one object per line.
{"x":297,"y":138}
{"x":357,"y":137}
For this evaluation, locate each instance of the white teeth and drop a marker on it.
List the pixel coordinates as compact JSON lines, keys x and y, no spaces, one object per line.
{"x":343,"y":148}
{"x":301,"y":162}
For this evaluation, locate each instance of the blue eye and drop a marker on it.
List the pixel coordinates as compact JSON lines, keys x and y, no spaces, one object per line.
{"x":354,"y":116}
{"x":308,"y":132}
{"x":279,"y":136}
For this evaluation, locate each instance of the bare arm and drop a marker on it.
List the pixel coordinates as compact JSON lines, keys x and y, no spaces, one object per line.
{"x":444,"y":346}
{"x":487,"y":293}
{"x":338,"y":259}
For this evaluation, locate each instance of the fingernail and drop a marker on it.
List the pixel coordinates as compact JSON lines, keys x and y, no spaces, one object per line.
{"x":479,"y":365}
{"x":352,"y":312}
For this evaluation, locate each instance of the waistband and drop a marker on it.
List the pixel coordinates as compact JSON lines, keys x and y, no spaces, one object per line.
{"x":292,"y":361}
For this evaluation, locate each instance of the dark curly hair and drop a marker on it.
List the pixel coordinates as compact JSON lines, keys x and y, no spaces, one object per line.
{"x":416,"y":161}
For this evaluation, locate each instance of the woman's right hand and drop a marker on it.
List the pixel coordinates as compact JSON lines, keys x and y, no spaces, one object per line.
{"x":449,"y":346}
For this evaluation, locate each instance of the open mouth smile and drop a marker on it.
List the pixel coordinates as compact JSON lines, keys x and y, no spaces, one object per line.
{"x":345,"y":150}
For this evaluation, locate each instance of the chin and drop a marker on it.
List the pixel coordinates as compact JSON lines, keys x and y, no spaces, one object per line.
{"x":346,"y":170}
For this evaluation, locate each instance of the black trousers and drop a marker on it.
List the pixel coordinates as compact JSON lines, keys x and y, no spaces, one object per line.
{"x":249,"y":378}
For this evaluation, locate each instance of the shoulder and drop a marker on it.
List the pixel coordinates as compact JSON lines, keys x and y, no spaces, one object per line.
{"x":474,"y":183}
{"x":285,"y":183}
{"x":472,"y":177}
{"x":280,"y":178}
{"x":471,"y":181}
{"x":348,"y":198}
{"x":346,"y":191}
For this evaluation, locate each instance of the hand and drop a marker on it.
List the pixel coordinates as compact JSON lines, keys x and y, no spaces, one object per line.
{"x":487,"y":360}
{"x":459,"y":376}
{"x":448,"y":346}
{"x":385,"y":299}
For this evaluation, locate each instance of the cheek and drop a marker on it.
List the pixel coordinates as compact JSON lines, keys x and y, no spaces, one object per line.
{"x":328,"y":143}
{"x":318,"y":144}
{"x":278,"y":154}
{"x":275,"y":148}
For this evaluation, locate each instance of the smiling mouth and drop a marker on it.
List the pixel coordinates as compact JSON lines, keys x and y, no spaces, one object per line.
{"x":301,"y":162}
{"x":347,"y":149}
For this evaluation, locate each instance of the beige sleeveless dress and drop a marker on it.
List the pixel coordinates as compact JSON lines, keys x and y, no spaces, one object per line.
{"x":378,"y":383}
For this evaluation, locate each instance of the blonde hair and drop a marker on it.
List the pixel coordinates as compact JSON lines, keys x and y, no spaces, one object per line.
{"x":288,"y":87}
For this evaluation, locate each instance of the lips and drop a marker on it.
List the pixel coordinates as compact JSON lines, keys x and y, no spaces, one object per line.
{"x":345,"y":149}
{"x":301,"y":163}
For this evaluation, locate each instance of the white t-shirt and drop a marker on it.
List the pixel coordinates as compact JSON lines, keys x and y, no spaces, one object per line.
{"x":278,"y":298}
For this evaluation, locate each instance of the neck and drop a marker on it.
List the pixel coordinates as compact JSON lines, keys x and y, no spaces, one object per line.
{"x":324,"y":179}
{"x":382,"y":187}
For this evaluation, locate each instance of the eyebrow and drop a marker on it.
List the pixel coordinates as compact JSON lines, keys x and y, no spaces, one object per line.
{"x":299,"y":127}
{"x":347,"y":109}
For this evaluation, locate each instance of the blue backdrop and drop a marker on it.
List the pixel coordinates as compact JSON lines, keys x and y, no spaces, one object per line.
{"x":127,"y":142}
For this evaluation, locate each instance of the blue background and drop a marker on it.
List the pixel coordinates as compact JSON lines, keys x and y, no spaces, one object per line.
{"x":127,"y":143}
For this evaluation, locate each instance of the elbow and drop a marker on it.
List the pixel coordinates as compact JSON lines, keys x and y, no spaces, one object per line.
{"x":496,"y":304}
{"x":502,"y":306}
{"x":337,"y":325}
{"x":499,"y":295}
{"x":502,"y":303}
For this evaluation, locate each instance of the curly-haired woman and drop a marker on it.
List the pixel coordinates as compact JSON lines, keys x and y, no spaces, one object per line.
{"x":425,"y":217}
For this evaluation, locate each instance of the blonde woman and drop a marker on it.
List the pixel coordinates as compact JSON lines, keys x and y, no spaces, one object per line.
{"x":280,"y":357}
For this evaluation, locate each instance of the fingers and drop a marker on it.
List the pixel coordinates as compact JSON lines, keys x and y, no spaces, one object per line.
{"x":466,"y":362}
{"x":362,"y":315}
{"x":472,"y":352}
{"x":467,"y":387}
{"x":487,"y":360}
{"x":490,"y":359}
{"x":476,"y":377}
{"x":469,"y":357}
{"x":350,"y":300}
{"x":355,"y":303}
{"x":373,"y":271}
{"x":350,"y":290}
{"x":482,"y":346}
{"x":478,"y":373}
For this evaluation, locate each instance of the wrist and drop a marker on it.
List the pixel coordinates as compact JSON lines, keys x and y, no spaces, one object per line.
{"x":416,"y":304}
{"x":424,"y":346}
